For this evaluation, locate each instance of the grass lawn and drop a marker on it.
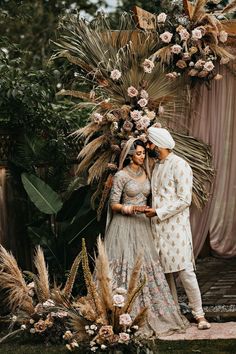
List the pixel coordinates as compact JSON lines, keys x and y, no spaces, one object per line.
{"x":162,"y":347}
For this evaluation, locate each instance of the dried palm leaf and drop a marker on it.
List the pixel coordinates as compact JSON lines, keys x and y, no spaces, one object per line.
{"x":198,"y":9}
{"x":229,"y":8}
{"x":141,"y":317}
{"x":103,"y":276}
{"x":221,"y":52}
{"x":90,"y":285}
{"x":72,"y":93}
{"x":163,"y":54}
{"x":97,"y":170}
{"x":199,"y":157}
{"x":71,"y":276}
{"x":12,"y":280}
{"x":91,"y":148}
{"x":104,"y":196}
{"x":133,"y":296}
{"x":135,"y":274}
{"x":43,"y":277}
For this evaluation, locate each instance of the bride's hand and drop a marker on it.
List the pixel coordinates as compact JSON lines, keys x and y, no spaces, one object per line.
{"x":139,"y":208}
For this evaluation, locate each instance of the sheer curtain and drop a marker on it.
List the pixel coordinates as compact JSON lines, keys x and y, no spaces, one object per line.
{"x":213,"y":119}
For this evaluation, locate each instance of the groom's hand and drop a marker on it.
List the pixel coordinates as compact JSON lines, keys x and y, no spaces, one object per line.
{"x":150,"y":212}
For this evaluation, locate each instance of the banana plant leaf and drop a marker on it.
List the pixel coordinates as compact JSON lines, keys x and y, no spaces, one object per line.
{"x":41,"y":194}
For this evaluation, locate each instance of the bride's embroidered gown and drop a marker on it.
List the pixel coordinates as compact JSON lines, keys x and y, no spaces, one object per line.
{"x":128,"y":236}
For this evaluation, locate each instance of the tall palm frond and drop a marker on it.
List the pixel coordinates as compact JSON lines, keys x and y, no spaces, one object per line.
{"x":12,"y":280}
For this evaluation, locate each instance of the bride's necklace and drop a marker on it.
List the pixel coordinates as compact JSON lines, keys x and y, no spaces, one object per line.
{"x":133,"y":173}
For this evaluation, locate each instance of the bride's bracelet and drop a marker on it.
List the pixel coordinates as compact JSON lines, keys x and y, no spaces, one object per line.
{"x":127,"y":210}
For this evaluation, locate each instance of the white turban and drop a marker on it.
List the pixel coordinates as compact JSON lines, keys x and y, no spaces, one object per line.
{"x":161,"y":138}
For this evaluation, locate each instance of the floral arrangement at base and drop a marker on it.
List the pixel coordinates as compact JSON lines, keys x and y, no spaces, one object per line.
{"x":192,"y":43}
{"x":31,"y":303}
{"x":103,"y":320}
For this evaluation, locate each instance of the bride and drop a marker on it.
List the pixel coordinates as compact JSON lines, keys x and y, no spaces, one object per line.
{"x":129,"y":234}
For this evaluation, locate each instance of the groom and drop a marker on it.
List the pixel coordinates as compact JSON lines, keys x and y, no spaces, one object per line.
{"x":171,"y":198}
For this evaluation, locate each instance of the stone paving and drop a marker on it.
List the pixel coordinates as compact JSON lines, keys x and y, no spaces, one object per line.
{"x":217,"y":281}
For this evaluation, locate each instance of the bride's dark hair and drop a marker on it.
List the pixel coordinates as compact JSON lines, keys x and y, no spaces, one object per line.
{"x":136,"y":143}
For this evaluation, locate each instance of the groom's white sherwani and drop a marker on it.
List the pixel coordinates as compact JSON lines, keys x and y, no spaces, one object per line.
{"x":171,"y":198}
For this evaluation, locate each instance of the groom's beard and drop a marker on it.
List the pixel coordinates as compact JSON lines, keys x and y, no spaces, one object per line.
{"x":153,"y":153}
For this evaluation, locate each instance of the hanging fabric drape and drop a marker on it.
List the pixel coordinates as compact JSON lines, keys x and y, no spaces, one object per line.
{"x":213,"y":120}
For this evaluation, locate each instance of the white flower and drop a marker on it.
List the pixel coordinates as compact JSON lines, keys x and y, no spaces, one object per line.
{"x":118,"y":300}
{"x":93,"y":327}
{"x":23,"y":327}
{"x":166,"y":37}
{"x":76,"y":74}
{"x":92,"y":343}
{"x":142,"y":102}
{"x":103,"y":346}
{"x":208,"y":66}
{"x":115,"y":74}
{"x":90,"y":332}
{"x":161,"y":18}
{"x":14,"y":318}
{"x":48,"y":303}
{"x":132,"y":91}
{"x":93,"y":349}
{"x":196,"y":34}
{"x":176,"y":49}
{"x":148,"y":66}
{"x":32,"y":330}
{"x":59,"y":85}
{"x":86,"y":327}
{"x":191,"y":63}
{"x":144,"y":94}
{"x":199,"y":64}
{"x":124,"y":337}
{"x":97,"y":118}
{"x":184,"y":34}
{"x":135,"y":327}
{"x":135,"y":115}
{"x":223,"y":36}
{"x":125,"y":319}
{"x":31,"y":321}
{"x":123,"y":291}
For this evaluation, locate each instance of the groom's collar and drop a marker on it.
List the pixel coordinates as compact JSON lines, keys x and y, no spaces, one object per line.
{"x":168,"y":157}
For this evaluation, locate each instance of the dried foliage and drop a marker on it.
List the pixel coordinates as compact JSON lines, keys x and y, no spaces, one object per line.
{"x":111,"y":63}
{"x":103,"y":316}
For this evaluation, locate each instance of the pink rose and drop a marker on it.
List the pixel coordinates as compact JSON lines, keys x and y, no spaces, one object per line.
{"x":223,"y":36}
{"x":124,"y":337}
{"x":140,"y":125}
{"x":208,"y":66}
{"x":161,"y":18}
{"x":145,"y":121}
{"x":224,"y":60}
{"x":181,"y":64}
{"x":136,"y":115}
{"x":184,"y":34}
{"x":125,"y":319}
{"x":142,"y":102}
{"x":199,"y":64}
{"x":144,"y":94}
{"x":115,"y":74}
{"x":148,"y":66}
{"x":172,"y":75}
{"x":132,"y":91}
{"x":176,"y":49}
{"x":196,"y":34}
{"x":166,"y":37}
{"x":119,"y":300}
{"x":127,"y":126}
